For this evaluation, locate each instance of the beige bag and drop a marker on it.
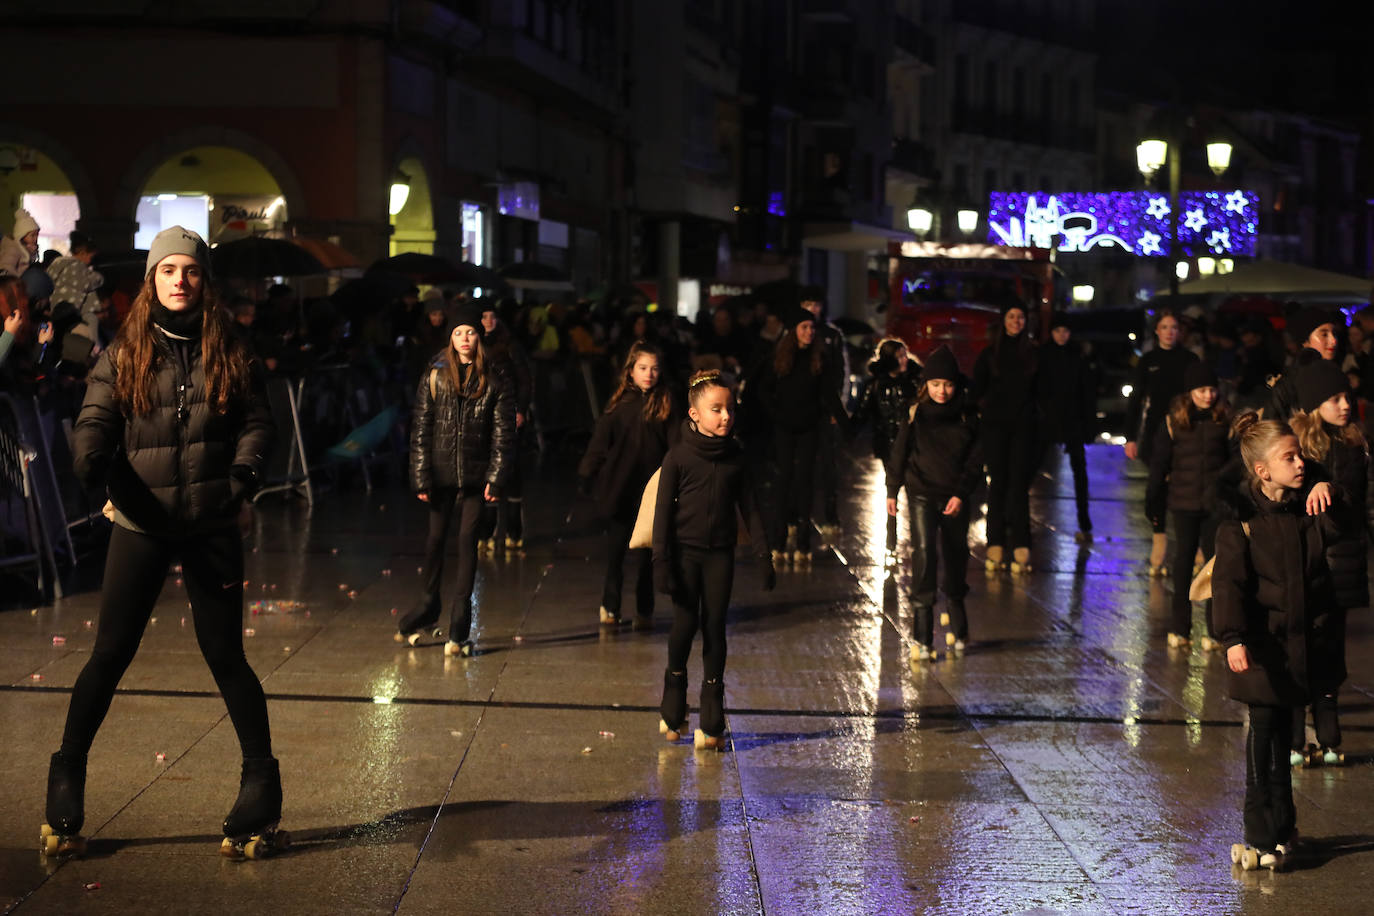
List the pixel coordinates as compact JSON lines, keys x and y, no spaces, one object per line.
{"x":1201,"y":589}
{"x":643,"y":534}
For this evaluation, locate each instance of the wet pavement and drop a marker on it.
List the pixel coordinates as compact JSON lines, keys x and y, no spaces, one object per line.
{"x":1068,"y":762}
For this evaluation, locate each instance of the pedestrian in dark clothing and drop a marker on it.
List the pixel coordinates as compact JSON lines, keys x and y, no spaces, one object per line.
{"x":462,"y":447}
{"x":1190,"y":451}
{"x":937,"y":457}
{"x":508,"y":358}
{"x":1067,"y":388}
{"x":831,"y":340}
{"x":176,"y":425}
{"x":703,"y":490}
{"x":1332,"y":443}
{"x":1004,"y":388}
{"x":1271,"y":589}
{"x":1314,"y":331}
{"x":628,"y":444}
{"x":1158,"y":380}
{"x":1257,"y":365}
{"x":884,"y":402}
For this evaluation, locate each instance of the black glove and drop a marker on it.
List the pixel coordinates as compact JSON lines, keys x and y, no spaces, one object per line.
{"x":770,"y":575}
{"x":243,"y":482}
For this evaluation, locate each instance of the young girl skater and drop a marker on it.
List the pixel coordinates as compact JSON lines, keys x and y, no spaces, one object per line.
{"x":462,"y":447}
{"x":702,"y":492}
{"x":627,"y":446}
{"x":885,"y":401}
{"x":1329,"y":439}
{"x":176,"y":425}
{"x":937,"y":457}
{"x":1271,"y":588}
{"x":508,"y":358}
{"x":1190,"y":450}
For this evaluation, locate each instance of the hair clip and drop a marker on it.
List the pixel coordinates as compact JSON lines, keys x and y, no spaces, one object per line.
{"x":713,"y":377}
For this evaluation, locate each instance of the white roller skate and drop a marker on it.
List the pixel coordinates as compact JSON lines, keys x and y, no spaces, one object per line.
{"x":1159,"y":544}
{"x":1020,"y":563}
{"x":458,"y":649}
{"x":923,"y":653}
{"x":415,"y":638}
{"x":1249,"y":858}
{"x":994,"y":562}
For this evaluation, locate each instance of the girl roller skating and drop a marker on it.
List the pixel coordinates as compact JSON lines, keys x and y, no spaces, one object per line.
{"x":1190,"y":451}
{"x":462,"y":448}
{"x":1332,"y":441}
{"x":886,"y":398}
{"x":176,"y":425}
{"x":509,"y":359}
{"x":703,"y":491}
{"x":937,"y":457}
{"x":1271,"y":589}
{"x":627,"y":446}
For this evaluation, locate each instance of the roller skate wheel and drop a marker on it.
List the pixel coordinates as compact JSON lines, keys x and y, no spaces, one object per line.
{"x":50,"y":842}
{"x":1296,"y":758}
{"x":251,"y":848}
{"x":459,"y":649}
{"x":1249,"y":859}
{"x":1237,"y":850}
{"x":944,"y":618}
{"x":1332,"y":757}
{"x":949,"y":639}
{"x":958,"y":647}
{"x":671,"y":733}
{"x":607,"y":618}
{"x":705,"y":742}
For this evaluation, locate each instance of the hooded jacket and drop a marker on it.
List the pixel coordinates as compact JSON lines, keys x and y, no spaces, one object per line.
{"x":14,"y":257}
{"x":1272,"y":592}
{"x":885,"y":401}
{"x":1188,"y":462}
{"x":937,"y":453}
{"x":459,"y":441}
{"x":623,"y":454}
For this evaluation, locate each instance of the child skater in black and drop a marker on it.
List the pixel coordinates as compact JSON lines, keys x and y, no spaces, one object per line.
{"x":886,"y":398}
{"x":627,"y":446}
{"x":702,"y":492}
{"x":1272,"y":590}
{"x":937,"y":455}
{"x":1329,"y":439}
{"x":1190,"y":450}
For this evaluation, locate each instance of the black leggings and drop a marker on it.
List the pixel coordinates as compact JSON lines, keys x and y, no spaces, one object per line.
{"x":706,"y":577}
{"x":1007,"y":450}
{"x":618,"y":531}
{"x":1269,"y":814}
{"x":1191,"y":530}
{"x":135,"y":570}
{"x":931,"y":528}
{"x":796,"y":451}
{"x":442,"y":505}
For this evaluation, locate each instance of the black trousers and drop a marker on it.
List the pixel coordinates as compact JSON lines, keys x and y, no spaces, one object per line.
{"x":932,"y":529}
{"x":796,"y":453}
{"x":510,"y":504}
{"x":1191,"y":530}
{"x":443,"y":505}
{"x":1269,"y":813}
{"x":618,"y":532}
{"x":135,"y":570}
{"x":1325,"y":720}
{"x":706,"y":577}
{"x":1008,"y":450}
{"x":1078,"y":464}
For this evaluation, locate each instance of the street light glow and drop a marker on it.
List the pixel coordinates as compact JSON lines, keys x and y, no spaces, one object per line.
{"x":1206,"y":266}
{"x":920,"y":219}
{"x":1150,"y":155}
{"x":1219,"y":157}
{"x":400,"y":192}
{"x":968,"y":221}
{"x":1083,"y":293}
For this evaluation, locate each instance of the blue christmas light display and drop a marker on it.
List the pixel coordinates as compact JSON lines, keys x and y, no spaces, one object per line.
{"x":1216,"y":223}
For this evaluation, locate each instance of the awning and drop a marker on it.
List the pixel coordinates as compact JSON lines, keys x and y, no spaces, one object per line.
{"x":852,"y":236}
{"x":1274,"y":278}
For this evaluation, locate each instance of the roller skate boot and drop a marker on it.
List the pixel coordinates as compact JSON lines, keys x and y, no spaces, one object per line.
{"x":1249,"y":858}
{"x":415,"y":637}
{"x":791,"y":544}
{"x":955,"y":644}
{"x":1304,"y":758}
{"x":1020,"y":562}
{"x":1179,"y":641}
{"x":608,"y":619}
{"x":710,"y":734}
{"x":994,"y":561}
{"x":672,"y":711}
{"x":515,"y":547}
{"x":61,"y":835}
{"x":1159,"y":543}
{"x":1332,"y":757}
{"x":1210,"y":645}
{"x":920,"y":652}
{"x":454,"y":649}
{"x":250,"y":829}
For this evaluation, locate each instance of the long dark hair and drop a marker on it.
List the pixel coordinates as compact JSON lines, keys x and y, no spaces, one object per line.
{"x":224,"y":360}
{"x":1181,"y":408}
{"x":658,"y":402}
{"x":477,"y":381}
{"x":786,"y":355}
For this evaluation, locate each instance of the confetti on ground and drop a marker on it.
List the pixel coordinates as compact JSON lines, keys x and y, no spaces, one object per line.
{"x":606,"y":734}
{"x":161,"y":757}
{"x":586,"y":750}
{"x":59,"y":640}
{"x":249,"y":631}
{"x":36,"y":676}
{"x":93,"y":886}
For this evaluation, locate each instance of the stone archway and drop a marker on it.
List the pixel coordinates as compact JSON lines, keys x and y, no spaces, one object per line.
{"x":52,"y":169}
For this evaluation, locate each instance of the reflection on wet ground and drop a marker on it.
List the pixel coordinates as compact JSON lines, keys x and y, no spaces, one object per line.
{"x":1068,"y":762}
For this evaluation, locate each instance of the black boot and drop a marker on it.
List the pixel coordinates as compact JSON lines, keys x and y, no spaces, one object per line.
{"x":673,"y":710}
{"x":259,"y":803}
{"x":66,"y":809}
{"x":711,"y":734}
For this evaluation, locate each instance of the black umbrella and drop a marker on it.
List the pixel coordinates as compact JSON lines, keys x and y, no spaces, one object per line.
{"x":778,"y":294}
{"x":853,"y":327}
{"x":533,"y":275}
{"x":374,"y":290}
{"x":257,"y":256}
{"x":477,"y":275}
{"x":421,"y":268}
{"x":121,"y":268}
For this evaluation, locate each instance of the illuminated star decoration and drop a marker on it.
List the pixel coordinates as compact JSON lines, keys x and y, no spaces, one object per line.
{"x":1195,"y":220}
{"x":1220,"y":240}
{"x":1158,"y":208}
{"x":1236,"y":202}
{"x":1149,"y":243}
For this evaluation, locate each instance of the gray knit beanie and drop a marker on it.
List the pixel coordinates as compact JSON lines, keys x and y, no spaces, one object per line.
{"x":178,"y":240}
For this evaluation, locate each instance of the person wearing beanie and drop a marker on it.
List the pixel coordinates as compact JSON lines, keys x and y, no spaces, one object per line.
{"x":176,"y":427}
{"x":1067,"y":391}
{"x":937,"y":457}
{"x":1158,"y":380}
{"x":19,"y":249}
{"x":1336,"y":450}
{"x":800,"y":389}
{"x":1187,"y":462}
{"x":884,"y":401}
{"x":1314,"y":331}
{"x":462,"y":449}
{"x":831,"y":340}
{"x":1004,"y":388}
{"x":506,"y":356}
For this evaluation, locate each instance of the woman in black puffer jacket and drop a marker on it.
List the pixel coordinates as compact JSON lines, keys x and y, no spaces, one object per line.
{"x":895,"y":385}
{"x":176,"y":425}
{"x":1337,"y":450}
{"x":462,"y":444}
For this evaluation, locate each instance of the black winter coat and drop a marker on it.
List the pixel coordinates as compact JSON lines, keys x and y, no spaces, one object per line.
{"x":624,"y":452}
{"x":1283,"y":396}
{"x":802,"y":400}
{"x":885,"y":402}
{"x":1188,"y":462}
{"x":182,"y":469}
{"x":1158,"y":379}
{"x":459,"y":441}
{"x":1272,"y":592}
{"x":937,"y":453}
{"x":1004,"y":381}
{"x":704,"y":490}
{"x":1066,"y":384}
{"x":1352,"y":476}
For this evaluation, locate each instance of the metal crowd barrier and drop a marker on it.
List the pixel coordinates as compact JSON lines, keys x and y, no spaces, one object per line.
{"x":17,"y":460}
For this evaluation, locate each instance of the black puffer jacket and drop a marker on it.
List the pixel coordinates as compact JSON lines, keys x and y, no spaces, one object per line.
{"x":182,"y":469}
{"x":1004,"y":381}
{"x":1283,"y":395}
{"x":937,"y":454}
{"x":1066,"y":385}
{"x":461,"y":441}
{"x":1272,"y":592}
{"x":1188,"y":461}
{"x":1158,"y":379}
{"x":885,"y":401}
{"x":624,"y":452}
{"x":802,"y":400}
{"x":1351,"y":473}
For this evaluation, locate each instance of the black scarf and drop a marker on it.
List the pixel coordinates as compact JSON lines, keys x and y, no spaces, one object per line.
{"x":184,"y":324}
{"x":947,"y":412}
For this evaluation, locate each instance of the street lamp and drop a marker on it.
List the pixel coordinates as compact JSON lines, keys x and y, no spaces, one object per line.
{"x":920,"y":220}
{"x":968,"y":221}
{"x":1219,"y":157}
{"x":1150,"y":157}
{"x":400,"y":192}
{"x":1083,"y":293}
{"x":1206,"y":266}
